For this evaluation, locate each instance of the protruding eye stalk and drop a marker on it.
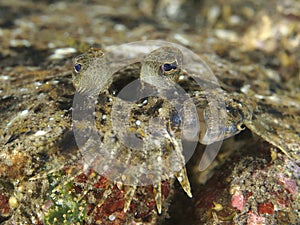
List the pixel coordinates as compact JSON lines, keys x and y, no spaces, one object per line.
{"x":77,"y":68}
{"x":166,"y":68}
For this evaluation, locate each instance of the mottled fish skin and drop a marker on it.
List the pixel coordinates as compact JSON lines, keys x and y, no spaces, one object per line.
{"x":154,"y":126}
{"x":273,"y":106}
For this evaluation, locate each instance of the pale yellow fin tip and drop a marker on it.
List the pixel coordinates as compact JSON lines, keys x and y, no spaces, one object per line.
{"x":157,"y":196}
{"x":128,"y":197}
{"x":184,"y":181}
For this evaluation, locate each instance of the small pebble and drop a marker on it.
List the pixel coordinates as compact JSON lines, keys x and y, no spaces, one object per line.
{"x":13,"y":202}
{"x":61,"y":53}
{"x":112,"y":217}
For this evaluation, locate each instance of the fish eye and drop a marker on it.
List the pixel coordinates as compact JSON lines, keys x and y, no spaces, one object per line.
{"x":169,"y":66}
{"x":77,"y":68}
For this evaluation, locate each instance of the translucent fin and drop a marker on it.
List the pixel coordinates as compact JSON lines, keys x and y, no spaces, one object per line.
{"x":105,"y":194}
{"x":183,"y":179}
{"x":156,"y":165}
{"x":157,"y":196}
{"x":210,"y":153}
{"x":179,"y":163}
{"x":129,"y":192}
{"x":119,"y":184}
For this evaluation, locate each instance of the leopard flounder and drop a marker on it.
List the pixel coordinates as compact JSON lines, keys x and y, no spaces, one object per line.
{"x":142,"y":135}
{"x":148,"y":146}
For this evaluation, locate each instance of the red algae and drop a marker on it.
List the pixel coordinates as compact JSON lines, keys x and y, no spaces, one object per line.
{"x":289,"y":184}
{"x":4,"y":206}
{"x":254,"y":219}
{"x":237,"y":200}
{"x":265,"y":208}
